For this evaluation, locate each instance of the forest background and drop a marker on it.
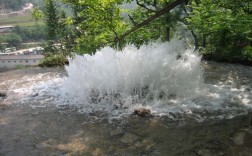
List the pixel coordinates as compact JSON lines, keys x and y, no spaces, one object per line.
{"x":220,"y":29}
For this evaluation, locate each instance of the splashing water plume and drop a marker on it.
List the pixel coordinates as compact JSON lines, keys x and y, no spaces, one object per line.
{"x":85,"y":109}
{"x":165,"y":78}
{"x":119,"y":81}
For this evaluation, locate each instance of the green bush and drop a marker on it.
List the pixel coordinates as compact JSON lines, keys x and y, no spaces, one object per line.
{"x":247,"y":52}
{"x":54,"y":60}
{"x":19,"y":66}
{"x":13,"y":39}
{"x":31,"y":33}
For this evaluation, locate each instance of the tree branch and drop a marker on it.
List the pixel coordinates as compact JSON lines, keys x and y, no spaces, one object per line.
{"x":154,"y":4}
{"x":145,"y":7}
{"x":132,"y":20}
{"x":147,"y":21}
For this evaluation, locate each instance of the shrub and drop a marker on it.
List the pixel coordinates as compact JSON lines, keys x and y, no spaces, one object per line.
{"x":53,"y":60}
{"x":19,"y":66}
{"x":247,"y":52}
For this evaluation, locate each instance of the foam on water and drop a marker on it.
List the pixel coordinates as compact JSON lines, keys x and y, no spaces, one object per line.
{"x":118,"y":81}
{"x":163,"y":77}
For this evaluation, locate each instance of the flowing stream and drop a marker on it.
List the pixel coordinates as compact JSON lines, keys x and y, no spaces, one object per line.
{"x":87,"y":107}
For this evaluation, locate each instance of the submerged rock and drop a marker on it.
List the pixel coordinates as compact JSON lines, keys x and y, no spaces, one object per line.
{"x":243,"y":137}
{"x":2,"y":94}
{"x":35,"y":113}
{"x":238,"y":138}
{"x":129,"y":138}
{"x":34,"y":95}
{"x":116,"y":132}
{"x":145,"y":144}
{"x":209,"y":152}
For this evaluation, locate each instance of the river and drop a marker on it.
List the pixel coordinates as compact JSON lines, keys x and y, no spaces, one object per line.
{"x":159,"y":99}
{"x":31,"y":125}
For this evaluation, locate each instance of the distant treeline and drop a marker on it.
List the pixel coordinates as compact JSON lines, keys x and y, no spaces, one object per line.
{"x":17,"y":4}
{"x":22,"y":34}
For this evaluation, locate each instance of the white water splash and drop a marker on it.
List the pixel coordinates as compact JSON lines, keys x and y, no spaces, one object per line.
{"x":163,"y":77}
{"x":115,"y":81}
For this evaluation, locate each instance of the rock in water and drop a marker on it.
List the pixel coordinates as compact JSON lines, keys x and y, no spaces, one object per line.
{"x":239,"y":138}
{"x":116,"y":132}
{"x":129,"y":138}
{"x":143,"y":112}
{"x":243,"y":137}
{"x":2,"y":94}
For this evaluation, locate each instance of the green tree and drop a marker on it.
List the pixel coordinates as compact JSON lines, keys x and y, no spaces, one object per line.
{"x":224,"y":28}
{"x":13,"y":4}
{"x":1,"y":45}
{"x":96,"y":24}
{"x":58,"y":30}
{"x":31,"y":33}
{"x":102,"y":23}
{"x":221,"y":28}
{"x":162,"y":28}
{"x":51,"y":16}
{"x":14,"y":40}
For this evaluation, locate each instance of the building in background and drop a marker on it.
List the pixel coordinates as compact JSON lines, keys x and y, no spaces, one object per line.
{"x":13,"y":61}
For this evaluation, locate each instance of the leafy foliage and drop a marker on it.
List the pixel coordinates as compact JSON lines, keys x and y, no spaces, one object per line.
{"x":221,"y":28}
{"x":96,"y":23}
{"x":13,"y":4}
{"x":51,"y":19}
{"x":31,"y":33}
{"x":53,"y":60}
{"x":162,"y":28}
{"x":224,"y":28}
{"x":13,"y":40}
{"x":22,"y":34}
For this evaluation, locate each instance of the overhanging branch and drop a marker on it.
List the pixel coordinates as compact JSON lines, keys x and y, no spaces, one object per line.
{"x":145,"y":7}
{"x":147,"y":21}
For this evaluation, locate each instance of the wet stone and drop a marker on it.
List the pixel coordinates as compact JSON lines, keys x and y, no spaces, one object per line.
{"x":239,"y":138}
{"x":116,"y":132}
{"x":35,"y":113}
{"x":142,"y":112}
{"x":2,"y":95}
{"x":243,"y":137}
{"x":2,"y":107}
{"x":42,"y":146}
{"x":129,"y":138}
{"x":34,"y":95}
{"x":147,"y":145}
{"x":205,"y":152}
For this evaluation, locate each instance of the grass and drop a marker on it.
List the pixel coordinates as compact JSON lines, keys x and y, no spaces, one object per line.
{"x":21,"y":19}
{"x":19,"y":66}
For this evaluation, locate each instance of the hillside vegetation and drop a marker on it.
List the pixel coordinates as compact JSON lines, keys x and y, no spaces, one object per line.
{"x":220,"y":30}
{"x":16,"y":5}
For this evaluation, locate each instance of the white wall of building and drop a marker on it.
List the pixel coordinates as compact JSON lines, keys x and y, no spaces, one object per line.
{"x":27,"y":60}
{"x":16,"y":63}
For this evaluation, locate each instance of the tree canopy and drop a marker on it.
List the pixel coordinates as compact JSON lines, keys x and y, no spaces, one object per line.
{"x":221,"y":29}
